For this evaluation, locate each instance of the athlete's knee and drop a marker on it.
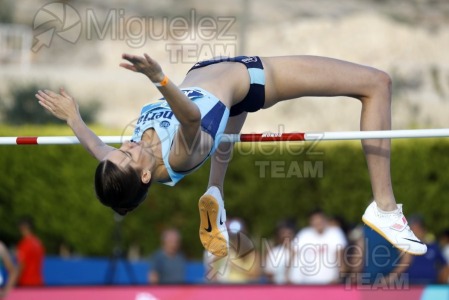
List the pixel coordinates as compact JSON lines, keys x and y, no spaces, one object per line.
{"x":379,"y":86}
{"x":383,"y":80}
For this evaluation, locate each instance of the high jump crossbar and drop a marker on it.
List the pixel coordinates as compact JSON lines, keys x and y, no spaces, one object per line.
{"x":251,"y":137}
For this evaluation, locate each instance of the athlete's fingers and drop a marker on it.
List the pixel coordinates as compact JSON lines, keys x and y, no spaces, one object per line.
{"x":64,"y":93}
{"x":42,"y":93}
{"x":151,"y":61}
{"x":52,"y":97}
{"x":49,"y":97}
{"x":148,"y":58}
{"x":43,"y":102}
{"x":128,"y":66}
{"x":133,"y":58}
{"x":51,"y":93}
{"x":45,"y":96}
{"x":44,"y":105}
{"x":40,"y":98}
{"x":128,"y":56}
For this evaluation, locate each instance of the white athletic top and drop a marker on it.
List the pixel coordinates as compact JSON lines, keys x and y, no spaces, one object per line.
{"x":316,"y":255}
{"x":160,"y":117}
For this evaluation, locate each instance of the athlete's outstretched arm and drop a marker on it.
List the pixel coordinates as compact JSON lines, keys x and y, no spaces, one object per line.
{"x":221,"y":157}
{"x":187,"y":113}
{"x":65,"y":108}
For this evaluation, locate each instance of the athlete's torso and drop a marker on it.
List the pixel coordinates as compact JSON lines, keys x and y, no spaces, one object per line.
{"x":215,"y":86}
{"x":160,"y":118}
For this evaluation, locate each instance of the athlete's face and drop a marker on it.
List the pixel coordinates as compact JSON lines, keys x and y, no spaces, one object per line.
{"x":130,"y":154}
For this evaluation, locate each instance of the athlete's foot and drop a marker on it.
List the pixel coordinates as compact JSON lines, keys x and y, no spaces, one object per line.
{"x":213,"y":232}
{"x":394,"y":228}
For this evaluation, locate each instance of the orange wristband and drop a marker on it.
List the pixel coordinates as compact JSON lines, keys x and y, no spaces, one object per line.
{"x":163,"y":82}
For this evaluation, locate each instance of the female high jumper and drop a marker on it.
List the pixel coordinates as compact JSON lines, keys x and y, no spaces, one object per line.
{"x":175,"y":136}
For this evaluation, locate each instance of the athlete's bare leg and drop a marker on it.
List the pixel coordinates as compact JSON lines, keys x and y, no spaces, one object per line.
{"x":213,"y":232}
{"x":221,"y":157}
{"x":297,"y":76}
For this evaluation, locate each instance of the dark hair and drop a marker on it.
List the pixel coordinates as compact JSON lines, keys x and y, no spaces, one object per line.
{"x":27,"y":221}
{"x":287,"y":224}
{"x":119,"y":188}
{"x":317,"y":211}
{"x":416,"y":219}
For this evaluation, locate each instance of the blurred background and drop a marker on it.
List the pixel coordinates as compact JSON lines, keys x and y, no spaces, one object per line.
{"x":408,"y":39}
{"x":78,"y":45}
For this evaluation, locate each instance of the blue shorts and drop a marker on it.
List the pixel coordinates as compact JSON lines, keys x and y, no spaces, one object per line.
{"x":255,"y":99}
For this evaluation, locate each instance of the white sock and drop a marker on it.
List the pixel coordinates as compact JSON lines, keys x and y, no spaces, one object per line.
{"x":214,"y":191}
{"x":388,"y":212}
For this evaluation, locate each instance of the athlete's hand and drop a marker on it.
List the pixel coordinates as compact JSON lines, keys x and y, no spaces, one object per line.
{"x":145,"y":65}
{"x":61,"y":105}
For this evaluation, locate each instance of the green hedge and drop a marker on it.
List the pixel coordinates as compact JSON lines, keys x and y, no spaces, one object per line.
{"x":55,"y":185}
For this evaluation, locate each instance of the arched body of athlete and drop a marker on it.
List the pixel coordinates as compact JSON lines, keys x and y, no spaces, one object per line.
{"x":174,"y":137}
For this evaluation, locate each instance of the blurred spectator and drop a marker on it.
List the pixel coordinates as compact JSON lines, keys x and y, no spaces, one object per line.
{"x":431,"y":267}
{"x":376,"y":262}
{"x":134,"y":252}
{"x":65,"y":251}
{"x":278,"y":260}
{"x":169,"y":263}
{"x":339,"y":222}
{"x":30,"y":255}
{"x":319,"y":252}
{"x":352,"y":256}
{"x":11,"y":270}
{"x":444,"y":243}
{"x":241,"y":265}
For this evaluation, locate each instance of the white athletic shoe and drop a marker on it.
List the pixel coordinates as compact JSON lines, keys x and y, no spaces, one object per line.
{"x":213,"y":232}
{"x":394,"y":228}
